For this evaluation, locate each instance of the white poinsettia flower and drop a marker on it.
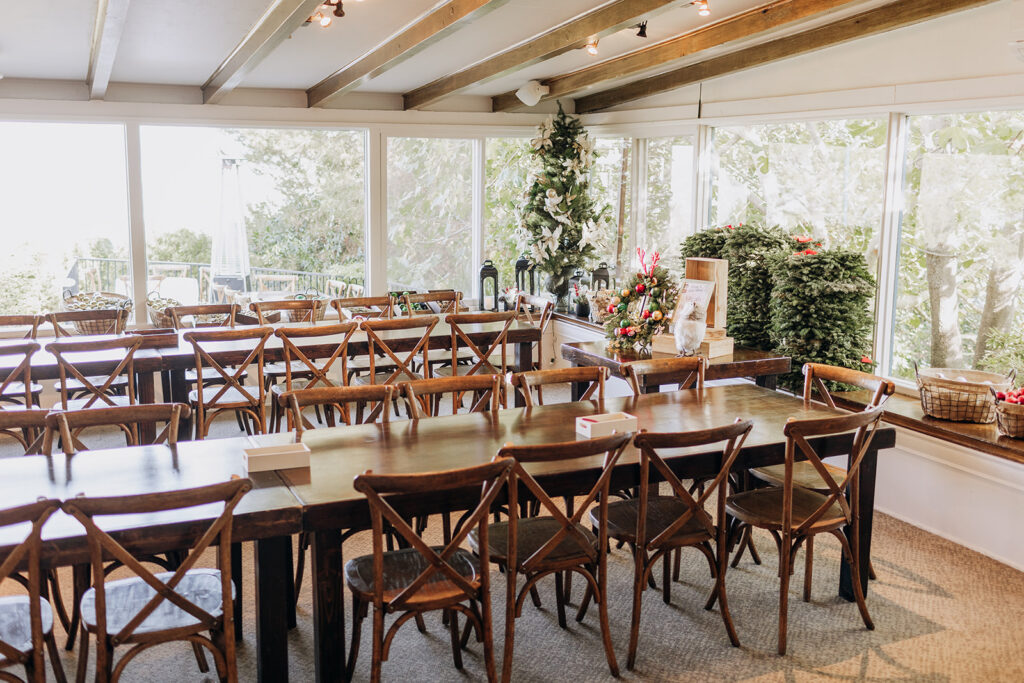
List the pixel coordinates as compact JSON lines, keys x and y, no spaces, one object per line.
{"x":549,"y":240}
{"x":540,"y":143}
{"x":552,"y":194}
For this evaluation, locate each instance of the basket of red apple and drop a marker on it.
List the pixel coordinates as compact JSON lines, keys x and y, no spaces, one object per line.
{"x":1010,"y":412}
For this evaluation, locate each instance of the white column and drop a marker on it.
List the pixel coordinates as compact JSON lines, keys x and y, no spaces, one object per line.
{"x":478,"y":217}
{"x":889,"y":242}
{"x":136,"y":225}
{"x":702,"y":150}
{"x":376,"y":213}
{"x":638,"y":199}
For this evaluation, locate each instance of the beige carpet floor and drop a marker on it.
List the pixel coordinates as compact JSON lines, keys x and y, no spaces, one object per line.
{"x":942,"y":613}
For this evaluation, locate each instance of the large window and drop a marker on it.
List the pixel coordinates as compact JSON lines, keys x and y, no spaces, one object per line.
{"x":243,"y":213}
{"x":430,"y":214}
{"x":505,"y":177}
{"x":63,"y":213}
{"x":961,"y":240}
{"x":669,"y":214}
{"x":821,"y":177}
{"x":610,"y":182}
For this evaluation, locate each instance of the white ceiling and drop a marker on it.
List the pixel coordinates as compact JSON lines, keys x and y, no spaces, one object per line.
{"x":181,"y":42}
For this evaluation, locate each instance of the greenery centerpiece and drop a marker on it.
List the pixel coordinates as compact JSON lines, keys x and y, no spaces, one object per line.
{"x":643,"y":307}
{"x":559,"y":224}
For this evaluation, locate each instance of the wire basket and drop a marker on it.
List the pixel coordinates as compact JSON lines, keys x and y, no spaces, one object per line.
{"x":94,"y":301}
{"x":303,"y":316}
{"x":960,"y":395}
{"x":157,"y":307}
{"x":1010,"y":419}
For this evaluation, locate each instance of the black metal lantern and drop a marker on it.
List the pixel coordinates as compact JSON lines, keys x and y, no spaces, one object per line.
{"x":600,"y":278}
{"x":524,"y":267}
{"x":576,"y":279}
{"x":488,"y":272}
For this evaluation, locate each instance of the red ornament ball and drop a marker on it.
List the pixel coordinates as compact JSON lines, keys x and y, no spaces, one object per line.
{"x":640,"y":288}
{"x":645,"y":315}
{"x":611,"y":309}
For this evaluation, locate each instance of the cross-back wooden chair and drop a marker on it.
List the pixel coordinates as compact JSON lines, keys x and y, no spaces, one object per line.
{"x":362,"y":307}
{"x":355,"y":290}
{"x":104,"y":321}
{"x":16,"y":385}
{"x":654,"y":525}
{"x":398,"y":368}
{"x":527,"y":383}
{"x":95,"y":390}
{"x":489,"y":358}
{"x":554,"y":544}
{"x":423,"y":397}
{"x":804,"y":473}
{"x":687,"y":371}
{"x":26,"y":324}
{"x":446,"y":300}
{"x":203,"y":315}
{"x":277,"y":283}
{"x":793,"y":514}
{"x":26,"y":621}
{"x":421,"y":577}
{"x":306,"y":310}
{"x":149,"y":609}
{"x":536,"y":310}
{"x":69,"y":424}
{"x":232,"y":395}
{"x":298,"y":366}
{"x":26,"y":426}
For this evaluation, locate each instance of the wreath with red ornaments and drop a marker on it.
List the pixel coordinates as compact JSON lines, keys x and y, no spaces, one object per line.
{"x":643,"y":307}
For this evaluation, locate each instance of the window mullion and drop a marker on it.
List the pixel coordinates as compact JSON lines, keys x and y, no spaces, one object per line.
{"x":889,"y":242}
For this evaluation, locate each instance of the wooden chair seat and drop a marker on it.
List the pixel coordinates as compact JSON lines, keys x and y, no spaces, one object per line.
{"x":763,"y":508}
{"x":191,"y":376}
{"x":532,"y":534}
{"x":804,"y":475}
{"x":382,"y":378}
{"x":362,"y":364}
{"x":662,"y":511}
{"x":231,"y":398}
{"x":16,"y":624}
{"x":401,"y":567}
{"x":81,"y":403}
{"x":17,"y":389}
{"x":279,"y":369}
{"x":126,"y":597}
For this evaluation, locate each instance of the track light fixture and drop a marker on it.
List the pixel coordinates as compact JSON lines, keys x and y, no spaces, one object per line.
{"x":592,"y":47}
{"x":641,"y":29}
{"x":322,"y":16}
{"x":703,"y":7}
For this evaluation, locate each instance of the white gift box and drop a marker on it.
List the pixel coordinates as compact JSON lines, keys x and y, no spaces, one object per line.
{"x":593,"y":426}
{"x":284,"y":457}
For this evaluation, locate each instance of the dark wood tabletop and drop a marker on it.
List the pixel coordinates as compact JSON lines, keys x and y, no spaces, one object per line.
{"x":764,"y":366}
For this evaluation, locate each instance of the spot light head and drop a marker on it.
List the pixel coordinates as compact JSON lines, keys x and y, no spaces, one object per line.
{"x":592,"y":47}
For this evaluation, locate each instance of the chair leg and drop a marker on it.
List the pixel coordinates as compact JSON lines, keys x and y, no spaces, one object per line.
{"x":666,"y":578}
{"x":560,"y":599}
{"x":378,"y":645}
{"x":80,"y":583}
{"x":602,"y":610}
{"x":858,"y":591}
{"x":54,"y":654}
{"x":871,"y":571}
{"x":358,"y":614}
{"x":634,"y":624}
{"x":510,"y":624}
{"x":808,"y":567}
{"x":83,"y":658}
{"x":204,"y":666}
{"x":678,"y":564}
{"x":785,"y":559}
{"x":453,"y":630}
{"x":300,"y":561}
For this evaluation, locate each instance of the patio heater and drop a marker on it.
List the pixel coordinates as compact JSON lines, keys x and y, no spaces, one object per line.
{"x":524,"y":267}
{"x":230,"y":253}
{"x":488,"y":272}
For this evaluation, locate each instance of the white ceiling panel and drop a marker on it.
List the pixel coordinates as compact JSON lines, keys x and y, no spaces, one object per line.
{"x":38,"y":40}
{"x":181,"y":42}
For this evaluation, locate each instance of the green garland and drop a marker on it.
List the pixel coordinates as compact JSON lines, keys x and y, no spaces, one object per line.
{"x":641,"y":309}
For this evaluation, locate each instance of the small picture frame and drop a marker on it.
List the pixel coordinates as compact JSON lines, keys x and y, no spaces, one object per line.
{"x":699,"y":291}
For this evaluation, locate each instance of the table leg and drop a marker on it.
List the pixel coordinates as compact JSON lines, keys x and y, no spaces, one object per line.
{"x":767,"y":381}
{"x":179,"y":394}
{"x":273,"y":566}
{"x":147,"y":394}
{"x":866,"y":496}
{"x":236,"y":578}
{"x":650,"y":388}
{"x":524,"y":363}
{"x":328,"y":605}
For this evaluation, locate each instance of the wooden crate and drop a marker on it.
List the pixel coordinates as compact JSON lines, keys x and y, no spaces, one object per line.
{"x":714,"y":270}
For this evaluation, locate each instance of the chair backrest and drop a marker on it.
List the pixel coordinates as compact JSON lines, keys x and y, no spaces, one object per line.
{"x":526,"y":382}
{"x":731,"y":437}
{"x":402,"y":369}
{"x":202,"y":345}
{"x":69,"y":352}
{"x":22,"y":646}
{"x":481,"y":354}
{"x":536,"y":309}
{"x":27,"y":427}
{"x":197,"y":313}
{"x":355,"y":290}
{"x":68,"y":424}
{"x":20,"y":354}
{"x":686,"y":370}
{"x":492,"y":479}
{"x":103,"y":546}
{"x":306,"y":310}
{"x":447,"y":301}
{"x":423,"y":396}
{"x":864,"y":425}
{"x":363,"y":307}
{"x":29,"y":322}
{"x":816,"y":374}
{"x":277,"y":283}
{"x":317,"y":373}
{"x":104,"y":321}
{"x":610,"y":447}
{"x":375,"y":396}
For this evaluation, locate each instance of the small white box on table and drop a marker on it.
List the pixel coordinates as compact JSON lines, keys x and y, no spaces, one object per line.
{"x":594,"y":426}
{"x":282,"y":457}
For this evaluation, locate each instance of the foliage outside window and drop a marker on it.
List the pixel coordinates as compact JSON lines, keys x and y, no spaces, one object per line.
{"x":430,"y":214}
{"x":823,"y":178}
{"x":505,"y":173}
{"x":298,"y":193}
{"x":669,"y":216}
{"x":610,"y":185}
{"x":961,"y":240}
{"x":63,"y":213}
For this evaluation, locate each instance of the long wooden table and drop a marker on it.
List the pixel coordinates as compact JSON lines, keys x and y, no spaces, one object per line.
{"x":331,"y":505}
{"x":763,"y":366}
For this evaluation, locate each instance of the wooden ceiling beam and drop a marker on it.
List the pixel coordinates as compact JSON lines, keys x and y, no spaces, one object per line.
{"x":406,"y":43}
{"x":106,"y":36}
{"x":869,"y":23}
{"x":282,"y":18}
{"x":570,"y":35}
{"x":743,"y":25}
